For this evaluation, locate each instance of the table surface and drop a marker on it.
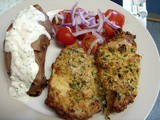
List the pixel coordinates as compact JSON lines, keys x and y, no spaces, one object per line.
{"x":153,"y":27}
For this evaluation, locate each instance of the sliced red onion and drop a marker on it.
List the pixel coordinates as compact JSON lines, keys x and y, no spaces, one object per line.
{"x":73,"y":11}
{"x":85,"y":11}
{"x":111,"y":24}
{"x":90,"y":14}
{"x":77,"y":28}
{"x":60,"y":16}
{"x":79,"y":21}
{"x":83,"y":32}
{"x":98,"y":36}
{"x":93,"y":26}
{"x":74,"y":21}
{"x":79,"y":42}
{"x":63,"y":20}
{"x":84,"y":21}
{"x":109,"y":15}
{"x":92,"y":45}
{"x":91,"y":20}
{"x":66,"y":24}
{"x":101,"y":20}
{"x":94,"y":22}
{"x":69,"y":29}
{"x":101,"y":31}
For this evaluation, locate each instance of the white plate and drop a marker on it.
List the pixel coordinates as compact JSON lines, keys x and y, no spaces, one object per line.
{"x":148,"y":84}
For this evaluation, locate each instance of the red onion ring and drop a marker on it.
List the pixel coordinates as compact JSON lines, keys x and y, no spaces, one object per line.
{"x":111,"y":24}
{"x":83,"y":32}
{"x":73,"y":11}
{"x":84,"y":21}
{"x":66,"y":24}
{"x":93,"y":26}
{"x":101,"y":20}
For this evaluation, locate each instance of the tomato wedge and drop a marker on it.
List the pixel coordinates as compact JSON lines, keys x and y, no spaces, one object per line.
{"x":116,"y":17}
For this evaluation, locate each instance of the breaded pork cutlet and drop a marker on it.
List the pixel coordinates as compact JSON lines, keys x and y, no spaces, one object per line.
{"x":118,"y":71}
{"x":72,"y":89}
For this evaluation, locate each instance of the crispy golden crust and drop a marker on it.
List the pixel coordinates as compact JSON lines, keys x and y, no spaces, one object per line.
{"x":118,"y":71}
{"x":40,"y":47}
{"x":72,"y":89}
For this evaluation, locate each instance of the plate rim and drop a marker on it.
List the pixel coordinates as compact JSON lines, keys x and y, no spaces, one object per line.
{"x":153,"y":42}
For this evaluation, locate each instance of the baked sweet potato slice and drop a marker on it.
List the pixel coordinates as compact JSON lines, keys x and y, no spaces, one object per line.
{"x":40,"y":47}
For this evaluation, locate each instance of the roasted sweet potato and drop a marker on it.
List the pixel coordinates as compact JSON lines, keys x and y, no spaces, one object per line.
{"x":40,"y":47}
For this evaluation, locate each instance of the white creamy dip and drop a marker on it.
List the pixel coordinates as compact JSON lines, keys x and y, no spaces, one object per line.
{"x":24,"y":32}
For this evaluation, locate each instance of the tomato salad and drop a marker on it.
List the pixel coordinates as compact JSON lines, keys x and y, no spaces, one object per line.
{"x":89,"y":28}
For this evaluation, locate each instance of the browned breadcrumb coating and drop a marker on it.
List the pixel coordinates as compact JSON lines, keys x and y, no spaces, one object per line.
{"x":72,"y":89}
{"x":118,"y":72}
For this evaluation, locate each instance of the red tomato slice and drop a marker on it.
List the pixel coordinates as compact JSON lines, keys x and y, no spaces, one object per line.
{"x":65,"y":36}
{"x":116,"y":17}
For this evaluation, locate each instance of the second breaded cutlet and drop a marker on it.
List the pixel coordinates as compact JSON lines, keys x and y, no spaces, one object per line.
{"x":72,"y":89}
{"x":118,"y":72}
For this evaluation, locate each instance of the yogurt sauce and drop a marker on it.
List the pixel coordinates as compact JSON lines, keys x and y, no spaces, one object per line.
{"x":24,"y":32}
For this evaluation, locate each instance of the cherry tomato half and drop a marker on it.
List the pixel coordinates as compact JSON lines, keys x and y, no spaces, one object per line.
{"x":116,"y":17}
{"x":65,"y":36}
